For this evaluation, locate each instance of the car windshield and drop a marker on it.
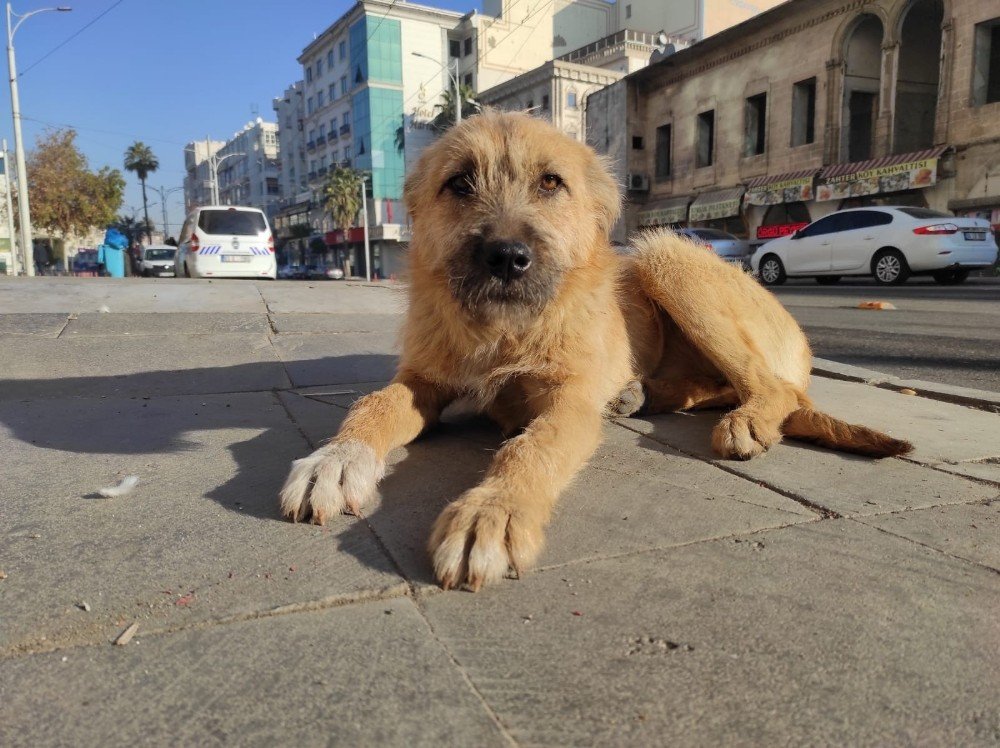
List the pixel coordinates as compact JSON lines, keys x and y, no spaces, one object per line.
{"x":924,"y":213}
{"x":233,"y":222}
{"x":160,"y":254}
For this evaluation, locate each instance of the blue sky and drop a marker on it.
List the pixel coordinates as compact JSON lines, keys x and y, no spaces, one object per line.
{"x":165,"y":72}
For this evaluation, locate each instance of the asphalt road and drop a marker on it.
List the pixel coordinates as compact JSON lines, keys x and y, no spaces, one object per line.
{"x":946,"y":334}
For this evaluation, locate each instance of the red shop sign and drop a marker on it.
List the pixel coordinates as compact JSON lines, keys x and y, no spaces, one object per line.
{"x":780,"y":229}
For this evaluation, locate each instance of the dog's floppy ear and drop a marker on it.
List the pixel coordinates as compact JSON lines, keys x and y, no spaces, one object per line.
{"x":604,"y":192}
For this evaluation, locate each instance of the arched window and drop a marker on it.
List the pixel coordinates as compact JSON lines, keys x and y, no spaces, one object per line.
{"x":917,"y":77}
{"x":862,"y":82}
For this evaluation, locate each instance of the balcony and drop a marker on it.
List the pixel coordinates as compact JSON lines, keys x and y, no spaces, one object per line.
{"x":345,"y":129}
{"x":311,"y":145}
{"x":321,"y":141}
{"x":312,"y":176}
{"x":333,"y":135}
{"x":321,"y":171}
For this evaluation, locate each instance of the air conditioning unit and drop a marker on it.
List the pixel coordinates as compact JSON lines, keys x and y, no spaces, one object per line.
{"x":637,"y":182}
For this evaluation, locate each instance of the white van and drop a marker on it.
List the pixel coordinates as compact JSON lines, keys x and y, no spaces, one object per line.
{"x":226,"y":241}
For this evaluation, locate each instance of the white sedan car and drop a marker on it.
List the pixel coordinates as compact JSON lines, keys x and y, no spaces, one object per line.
{"x":889,"y":243}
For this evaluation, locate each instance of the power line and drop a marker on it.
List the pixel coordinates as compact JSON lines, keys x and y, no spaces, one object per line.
{"x":71,"y":37}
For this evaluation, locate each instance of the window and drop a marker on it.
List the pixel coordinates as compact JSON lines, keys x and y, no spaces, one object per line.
{"x":755,"y":125}
{"x":310,"y":105}
{"x":571,"y":99}
{"x":331,"y":92}
{"x":329,"y":60}
{"x":342,"y":50}
{"x":309,"y":74}
{"x":343,"y":85}
{"x":804,"y":112}
{"x":986,"y":63}
{"x":319,"y":67}
{"x":628,"y":11}
{"x":467,"y":47}
{"x":333,"y":126}
{"x":320,"y":99}
{"x":454,"y":47}
{"x":663,"y":138}
{"x":232,"y":222}
{"x":705,"y":150}
{"x":545,"y":102}
{"x":826,"y":225}
{"x":637,"y":142}
{"x":467,"y":80}
{"x":863,"y":219}
{"x":322,"y":131}
{"x":347,"y":153}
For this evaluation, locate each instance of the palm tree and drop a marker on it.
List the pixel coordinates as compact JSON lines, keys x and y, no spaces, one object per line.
{"x":445,"y":117}
{"x":342,"y":193}
{"x":140,"y":159}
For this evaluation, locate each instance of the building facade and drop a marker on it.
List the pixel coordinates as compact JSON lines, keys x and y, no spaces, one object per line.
{"x":198,"y":173}
{"x":248,"y":167}
{"x":813,"y":106}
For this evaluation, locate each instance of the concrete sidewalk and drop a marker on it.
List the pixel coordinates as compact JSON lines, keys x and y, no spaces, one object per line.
{"x":805,"y":597}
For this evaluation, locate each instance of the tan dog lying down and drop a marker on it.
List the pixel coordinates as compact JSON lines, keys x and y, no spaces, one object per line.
{"x":518,"y":302}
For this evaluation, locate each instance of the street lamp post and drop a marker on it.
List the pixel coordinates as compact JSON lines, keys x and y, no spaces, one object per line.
{"x":163,"y":192}
{"x":23,"y":208}
{"x":453,"y":78}
{"x":213,"y":168}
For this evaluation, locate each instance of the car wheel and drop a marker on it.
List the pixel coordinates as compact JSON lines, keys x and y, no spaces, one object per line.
{"x":950,"y":277}
{"x":771,"y":271}
{"x":827,"y":280}
{"x":889,"y":267}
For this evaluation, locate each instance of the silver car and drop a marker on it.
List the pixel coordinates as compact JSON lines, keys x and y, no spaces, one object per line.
{"x":730,"y":248}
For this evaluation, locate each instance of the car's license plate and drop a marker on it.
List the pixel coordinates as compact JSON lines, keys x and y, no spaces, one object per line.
{"x":975,"y":236}
{"x":236,"y":258}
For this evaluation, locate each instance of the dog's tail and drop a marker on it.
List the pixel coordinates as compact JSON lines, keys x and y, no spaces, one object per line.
{"x":813,"y":426}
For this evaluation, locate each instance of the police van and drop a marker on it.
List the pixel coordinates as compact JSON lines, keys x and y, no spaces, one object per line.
{"x":226,"y":241}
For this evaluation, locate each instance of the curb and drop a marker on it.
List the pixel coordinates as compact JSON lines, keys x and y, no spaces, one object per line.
{"x":971,"y":398}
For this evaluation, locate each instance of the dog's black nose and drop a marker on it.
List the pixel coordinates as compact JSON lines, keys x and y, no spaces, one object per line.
{"x":506,"y":260}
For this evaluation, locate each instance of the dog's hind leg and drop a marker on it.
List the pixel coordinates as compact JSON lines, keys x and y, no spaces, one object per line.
{"x":739,"y":328}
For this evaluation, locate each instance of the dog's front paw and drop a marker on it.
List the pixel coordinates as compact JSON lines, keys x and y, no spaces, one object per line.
{"x":339,"y":477}
{"x":629,"y":401}
{"x":481,"y":537}
{"x":740,"y":436}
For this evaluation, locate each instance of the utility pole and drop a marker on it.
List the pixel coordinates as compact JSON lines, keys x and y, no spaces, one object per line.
{"x":10,"y":213}
{"x":364,"y":219}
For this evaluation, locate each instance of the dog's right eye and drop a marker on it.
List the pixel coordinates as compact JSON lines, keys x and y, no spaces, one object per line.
{"x":460,"y":184}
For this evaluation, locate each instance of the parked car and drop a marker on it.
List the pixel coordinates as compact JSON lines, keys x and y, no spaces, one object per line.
{"x":889,"y":243}
{"x":728,"y":247}
{"x":324,"y":272}
{"x":158,"y":259}
{"x":226,"y":241}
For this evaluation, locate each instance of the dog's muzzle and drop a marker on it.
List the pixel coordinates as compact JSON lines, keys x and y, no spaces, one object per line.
{"x":505,"y":260}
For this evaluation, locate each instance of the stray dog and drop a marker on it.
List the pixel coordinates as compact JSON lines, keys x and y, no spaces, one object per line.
{"x":518,"y":302}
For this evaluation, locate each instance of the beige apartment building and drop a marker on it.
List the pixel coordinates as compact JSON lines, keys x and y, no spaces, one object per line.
{"x":810,"y":107}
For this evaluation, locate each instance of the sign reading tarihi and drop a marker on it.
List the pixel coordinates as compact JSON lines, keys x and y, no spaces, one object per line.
{"x":785,"y":191}
{"x":894,"y":178}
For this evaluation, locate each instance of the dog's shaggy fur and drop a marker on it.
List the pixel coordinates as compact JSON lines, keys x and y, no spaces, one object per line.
{"x":518,"y":302}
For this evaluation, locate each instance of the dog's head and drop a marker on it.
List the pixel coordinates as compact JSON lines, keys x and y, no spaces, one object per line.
{"x":505,"y":206}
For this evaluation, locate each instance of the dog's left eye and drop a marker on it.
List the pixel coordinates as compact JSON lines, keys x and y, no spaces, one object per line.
{"x":460,"y":184}
{"x":549,"y":183}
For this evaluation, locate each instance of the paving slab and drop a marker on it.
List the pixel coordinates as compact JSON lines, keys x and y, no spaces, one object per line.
{"x":333,"y":297}
{"x":970,"y":531}
{"x":138,"y":366}
{"x":128,"y":295}
{"x":40,"y":324}
{"x":160,"y":324}
{"x":200,"y":539}
{"x":827,"y":633}
{"x":337,"y":359}
{"x":381,"y":324}
{"x":369,"y":674}
{"x":842,"y":483}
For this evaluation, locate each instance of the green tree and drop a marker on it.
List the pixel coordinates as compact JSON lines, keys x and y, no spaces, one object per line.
{"x":445,"y":116}
{"x":66,"y":197}
{"x":139,"y":159}
{"x":342,"y":196}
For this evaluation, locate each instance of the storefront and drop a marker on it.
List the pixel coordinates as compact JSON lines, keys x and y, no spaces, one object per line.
{"x":777,"y":204}
{"x":720,"y":209}
{"x":672,"y":213}
{"x":893,"y":180}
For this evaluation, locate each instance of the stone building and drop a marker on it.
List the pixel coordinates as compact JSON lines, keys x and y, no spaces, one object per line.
{"x":810,"y":107}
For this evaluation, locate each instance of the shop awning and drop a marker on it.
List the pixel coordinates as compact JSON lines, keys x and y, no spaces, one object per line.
{"x":904,"y":171}
{"x":717,"y":204}
{"x":794,"y":186}
{"x":664,"y":212}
